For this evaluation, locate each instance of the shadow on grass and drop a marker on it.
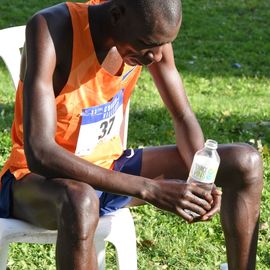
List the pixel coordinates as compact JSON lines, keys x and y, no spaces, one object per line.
{"x":154,"y":127}
{"x":266,"y":257}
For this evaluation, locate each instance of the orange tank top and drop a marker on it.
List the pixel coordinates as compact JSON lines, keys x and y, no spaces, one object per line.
{"x":91,"y":98}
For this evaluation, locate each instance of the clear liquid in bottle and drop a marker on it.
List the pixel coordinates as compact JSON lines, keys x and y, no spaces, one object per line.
{"x":204,"y":168}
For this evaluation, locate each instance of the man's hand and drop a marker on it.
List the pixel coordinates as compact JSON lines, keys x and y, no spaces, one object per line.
{"x":215,"y":205}
{"x":176,"y":195}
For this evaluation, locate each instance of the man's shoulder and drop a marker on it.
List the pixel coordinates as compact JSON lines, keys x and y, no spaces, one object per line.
{"x":49,"y":29}
{"x":55,"y":16}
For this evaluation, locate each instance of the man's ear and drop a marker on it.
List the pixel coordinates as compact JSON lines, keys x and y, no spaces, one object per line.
{"x":117,"y":14}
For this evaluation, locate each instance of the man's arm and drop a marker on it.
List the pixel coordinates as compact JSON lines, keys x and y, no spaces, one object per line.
{"x":189,"y":136}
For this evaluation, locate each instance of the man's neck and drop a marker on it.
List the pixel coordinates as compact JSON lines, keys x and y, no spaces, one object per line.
{"x":100,"y":27}
{"x":99,"y":21}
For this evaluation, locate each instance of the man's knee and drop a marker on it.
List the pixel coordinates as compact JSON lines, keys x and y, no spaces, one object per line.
{"x":79,"y":205}
{"x":241,"y":165}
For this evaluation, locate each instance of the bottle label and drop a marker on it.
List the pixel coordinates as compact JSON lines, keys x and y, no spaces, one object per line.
{"x":204,"y":169}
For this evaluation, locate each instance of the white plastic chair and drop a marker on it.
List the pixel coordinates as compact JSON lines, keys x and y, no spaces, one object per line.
{"x":11,"y":42}
{"x":117,"y":227}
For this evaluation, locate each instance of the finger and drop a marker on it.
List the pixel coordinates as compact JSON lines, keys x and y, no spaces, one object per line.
{"x":201,"y":192}
{"x":215,"y":209}
{"x":185,"y":215}
{"x":199,"y":201}
{"x":216,"y":191}
{"x":194,"y":210}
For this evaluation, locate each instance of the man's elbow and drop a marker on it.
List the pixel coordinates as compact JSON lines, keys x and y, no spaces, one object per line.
{"x":38,"y":156}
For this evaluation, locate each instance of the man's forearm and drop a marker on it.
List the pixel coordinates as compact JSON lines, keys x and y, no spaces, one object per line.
{"x":189,"y":137}
{"x":56,"y":162}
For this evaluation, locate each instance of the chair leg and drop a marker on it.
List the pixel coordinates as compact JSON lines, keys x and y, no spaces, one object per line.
{"x":126,"y":256}
{"x":124,"y":240}
{"x":100,"y":251}
{"x":3,"y":255}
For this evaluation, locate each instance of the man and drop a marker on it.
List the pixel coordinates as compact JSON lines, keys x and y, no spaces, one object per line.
{"x":67,"y":166}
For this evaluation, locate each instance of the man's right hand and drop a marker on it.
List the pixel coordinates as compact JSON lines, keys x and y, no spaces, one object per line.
{"x":176,"y":196}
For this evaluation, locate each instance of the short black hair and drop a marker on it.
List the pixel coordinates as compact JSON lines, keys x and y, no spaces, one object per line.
{"x":170,"y":10}
{"x":153,"y":11}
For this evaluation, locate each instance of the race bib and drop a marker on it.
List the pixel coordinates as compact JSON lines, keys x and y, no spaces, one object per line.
{"x":100,"y":124}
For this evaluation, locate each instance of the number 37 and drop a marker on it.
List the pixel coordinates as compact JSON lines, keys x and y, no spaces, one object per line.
{"x":106,"y":127}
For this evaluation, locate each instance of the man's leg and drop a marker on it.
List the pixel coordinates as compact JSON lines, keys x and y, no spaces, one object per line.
{"x":69,"y":206}
{"x":240,"y":176}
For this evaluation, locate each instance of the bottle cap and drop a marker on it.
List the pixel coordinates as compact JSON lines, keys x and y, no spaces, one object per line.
{"x":211,"y":144}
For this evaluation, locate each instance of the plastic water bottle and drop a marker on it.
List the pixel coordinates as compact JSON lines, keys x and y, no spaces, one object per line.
{"x":204,"y":168}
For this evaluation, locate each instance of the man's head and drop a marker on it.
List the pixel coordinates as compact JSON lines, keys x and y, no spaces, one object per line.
{"x":142,"y":27}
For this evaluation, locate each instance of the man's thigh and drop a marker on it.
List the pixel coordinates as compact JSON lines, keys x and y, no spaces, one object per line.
{"x":37,"y":199}
{"x":163,"y":162}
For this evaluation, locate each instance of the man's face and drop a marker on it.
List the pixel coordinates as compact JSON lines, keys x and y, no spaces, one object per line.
{"x":140,"y":46}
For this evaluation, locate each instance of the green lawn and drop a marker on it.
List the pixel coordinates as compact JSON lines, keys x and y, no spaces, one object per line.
{"x":222,"y":53}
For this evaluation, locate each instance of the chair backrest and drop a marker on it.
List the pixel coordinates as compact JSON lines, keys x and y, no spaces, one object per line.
{"x":11,"y":42}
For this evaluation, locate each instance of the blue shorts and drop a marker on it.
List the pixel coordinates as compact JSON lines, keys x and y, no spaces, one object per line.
{"x":130,"y":162}
{"x":7,"y":182}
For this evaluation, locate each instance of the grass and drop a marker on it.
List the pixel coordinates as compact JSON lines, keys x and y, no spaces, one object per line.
{"x":222,"y":53}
